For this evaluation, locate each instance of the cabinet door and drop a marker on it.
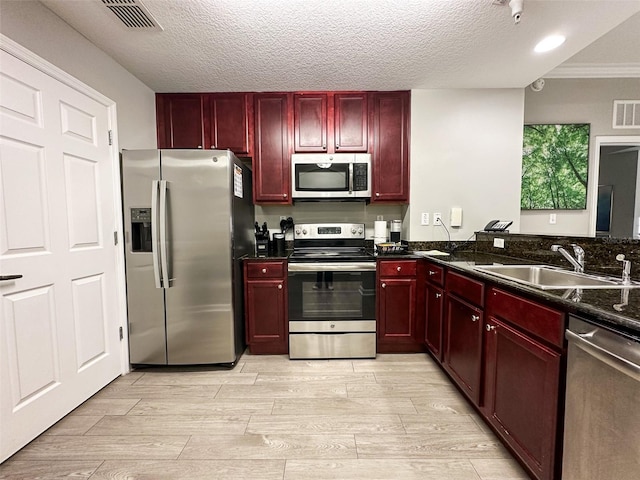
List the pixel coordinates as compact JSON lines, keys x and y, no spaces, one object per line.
{"x":433,"y":327}
{"x":463,"y":352}
{"x":390,"y":146}
{"x":310,"y":122}
{"x":396,"y":311}
{"x":180,"y":120}
{"x":266,"y":317}
{"x":271,"y":164}
{"x":229,"y":119}
{"x":521,"y":395}
{"x":350,"y":122}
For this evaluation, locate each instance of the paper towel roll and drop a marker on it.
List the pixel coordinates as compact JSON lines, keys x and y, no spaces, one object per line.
{"x":379,"y":231}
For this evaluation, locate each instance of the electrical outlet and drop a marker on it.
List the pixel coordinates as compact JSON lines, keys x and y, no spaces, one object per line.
{"x":552,"y":218}
{"x":424,"y":220}
{"x":498,"y":242}
{"x":437,"y":219}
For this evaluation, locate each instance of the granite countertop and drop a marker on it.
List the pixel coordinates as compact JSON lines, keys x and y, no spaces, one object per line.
{"x":604,"y":306}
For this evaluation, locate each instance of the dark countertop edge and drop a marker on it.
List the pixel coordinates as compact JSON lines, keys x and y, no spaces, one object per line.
{"x":585,"y":310}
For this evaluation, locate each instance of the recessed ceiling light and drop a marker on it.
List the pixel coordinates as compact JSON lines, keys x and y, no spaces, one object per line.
{"x":549,"y":43}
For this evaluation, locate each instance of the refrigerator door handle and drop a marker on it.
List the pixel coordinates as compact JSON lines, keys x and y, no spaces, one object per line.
{"x":164,"y":251}
{"x":154,"y":234}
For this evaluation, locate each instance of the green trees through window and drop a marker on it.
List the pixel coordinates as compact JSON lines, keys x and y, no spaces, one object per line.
{"x":555,"y":161}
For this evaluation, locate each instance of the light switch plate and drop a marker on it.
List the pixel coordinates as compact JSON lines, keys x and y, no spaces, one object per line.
{"x":552,"y":218}
{"x":424,"y":219}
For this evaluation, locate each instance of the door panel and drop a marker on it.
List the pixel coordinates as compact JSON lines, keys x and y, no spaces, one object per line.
{"x":59,"y":338}
{"x":31,"y":347}
{"x":22,"y":168}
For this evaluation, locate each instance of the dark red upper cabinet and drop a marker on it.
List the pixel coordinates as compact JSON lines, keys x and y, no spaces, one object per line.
{"x":350,"y":122}
{"x":389,"y":146}
{"x":330,"y":122}
{"x":310,"y":122}
{"x":229,"y":122}
{"x":180,"y":120}
{"x":271,"y":163}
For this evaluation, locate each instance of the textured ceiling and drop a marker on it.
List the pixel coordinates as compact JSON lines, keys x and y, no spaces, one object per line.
{"x":271,"y":45}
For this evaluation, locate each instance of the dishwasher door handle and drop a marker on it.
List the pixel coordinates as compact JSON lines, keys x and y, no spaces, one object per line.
{"x":589,"y":344}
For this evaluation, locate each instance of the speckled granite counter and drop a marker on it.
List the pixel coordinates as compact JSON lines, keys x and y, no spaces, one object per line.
{"x":605,"y":306}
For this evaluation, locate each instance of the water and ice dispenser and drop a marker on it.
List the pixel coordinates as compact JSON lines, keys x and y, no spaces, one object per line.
{"x":141,"y":230}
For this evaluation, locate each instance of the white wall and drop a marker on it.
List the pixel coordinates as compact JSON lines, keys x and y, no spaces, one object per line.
{"x":466,"y":151}
{"x":36,"y":28}
{"x":576,"y":101}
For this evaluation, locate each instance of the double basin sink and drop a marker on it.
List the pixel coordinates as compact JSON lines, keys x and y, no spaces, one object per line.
{"x":546,"y":277}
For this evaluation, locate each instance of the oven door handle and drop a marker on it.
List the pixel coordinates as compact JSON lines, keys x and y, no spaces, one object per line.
{"x":333,"y":267}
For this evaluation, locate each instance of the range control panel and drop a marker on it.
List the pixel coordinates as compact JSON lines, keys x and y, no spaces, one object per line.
{"x":329,"y":231}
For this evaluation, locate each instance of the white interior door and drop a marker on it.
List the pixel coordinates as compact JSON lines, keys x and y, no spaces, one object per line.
{"x":59,"y":323}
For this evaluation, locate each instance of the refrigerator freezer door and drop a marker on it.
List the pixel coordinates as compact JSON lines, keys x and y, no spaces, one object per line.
{"x":199,"y":306}
{"x":145,"y":302}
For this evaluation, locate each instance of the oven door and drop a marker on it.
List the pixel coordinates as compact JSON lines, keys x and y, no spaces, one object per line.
{"x":332,"y":291}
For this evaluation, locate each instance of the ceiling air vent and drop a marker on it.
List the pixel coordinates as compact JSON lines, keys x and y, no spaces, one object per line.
{"x":132,"y":13}
{"x":626,"y":114}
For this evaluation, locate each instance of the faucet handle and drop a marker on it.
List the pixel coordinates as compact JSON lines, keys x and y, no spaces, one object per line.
{"x":620,"y":257}
{"x":577,"y":249}
{"x":555,"y":248}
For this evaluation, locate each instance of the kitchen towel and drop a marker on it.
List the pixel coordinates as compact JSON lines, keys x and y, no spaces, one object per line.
{"x":380,"y":231}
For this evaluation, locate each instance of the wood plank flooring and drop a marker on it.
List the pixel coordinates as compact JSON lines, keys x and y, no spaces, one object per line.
{"x":396,"y":417}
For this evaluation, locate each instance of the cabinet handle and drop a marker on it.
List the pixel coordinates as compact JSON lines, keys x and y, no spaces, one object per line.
{"x":431,"y":272}
{"x":284,"y":195}
{"x":399,"y":268}
{"x":475,"y":318}
{"x":264,"y":270}
{"x":199,"y":146}
{"x":280,"y":287}
{"x":384,"y":285}
{"x":489,"y":327}
{"x":337,"y":146}
{"x":324,"y":146}
{"x":438,"y":295}
{"x":377,"y":194}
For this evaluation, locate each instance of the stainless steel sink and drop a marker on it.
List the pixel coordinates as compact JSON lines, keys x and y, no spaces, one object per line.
{"x":546,"y":277}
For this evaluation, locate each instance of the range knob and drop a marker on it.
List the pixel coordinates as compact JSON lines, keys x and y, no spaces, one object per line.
{"x":297,"y":231}
{"x":353,"y":230}
{"x":304,"y":231}
{"x":360,"y":230}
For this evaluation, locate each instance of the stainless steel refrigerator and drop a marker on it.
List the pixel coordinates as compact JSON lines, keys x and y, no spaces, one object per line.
{"x":188,"y":218}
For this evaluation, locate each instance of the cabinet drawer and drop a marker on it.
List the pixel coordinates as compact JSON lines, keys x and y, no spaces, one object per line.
{"x":435,"y":274}
{"x":466,"y":288}
{"x":539,"y":320}
{"x":398,"y":268}
{"x":265,"y":270}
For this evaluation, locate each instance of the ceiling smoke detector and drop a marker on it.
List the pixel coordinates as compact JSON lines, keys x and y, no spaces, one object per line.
{"x":133,"y":14}
{"x":537,"y":85}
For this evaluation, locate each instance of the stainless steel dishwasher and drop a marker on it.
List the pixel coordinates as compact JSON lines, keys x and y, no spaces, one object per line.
{"x":602,"y":419}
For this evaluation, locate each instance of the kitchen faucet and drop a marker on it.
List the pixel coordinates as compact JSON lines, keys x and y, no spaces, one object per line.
{"x":578,"y":261}
{"x":626,"y":269}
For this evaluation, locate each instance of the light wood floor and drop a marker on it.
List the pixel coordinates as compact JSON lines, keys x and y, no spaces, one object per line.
{"x":396,"y":417}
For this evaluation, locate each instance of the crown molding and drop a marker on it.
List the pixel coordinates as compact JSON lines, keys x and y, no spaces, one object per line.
{"x":595,"y":70}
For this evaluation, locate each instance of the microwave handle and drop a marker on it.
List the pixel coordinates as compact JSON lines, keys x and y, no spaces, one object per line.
{"x":350,"y":177}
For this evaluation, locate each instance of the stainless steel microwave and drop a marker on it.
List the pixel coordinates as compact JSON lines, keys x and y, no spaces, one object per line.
{"x":339,"y":176}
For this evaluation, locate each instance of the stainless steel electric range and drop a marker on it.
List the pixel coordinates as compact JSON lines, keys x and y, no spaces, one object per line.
{"x":332,"y":299}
